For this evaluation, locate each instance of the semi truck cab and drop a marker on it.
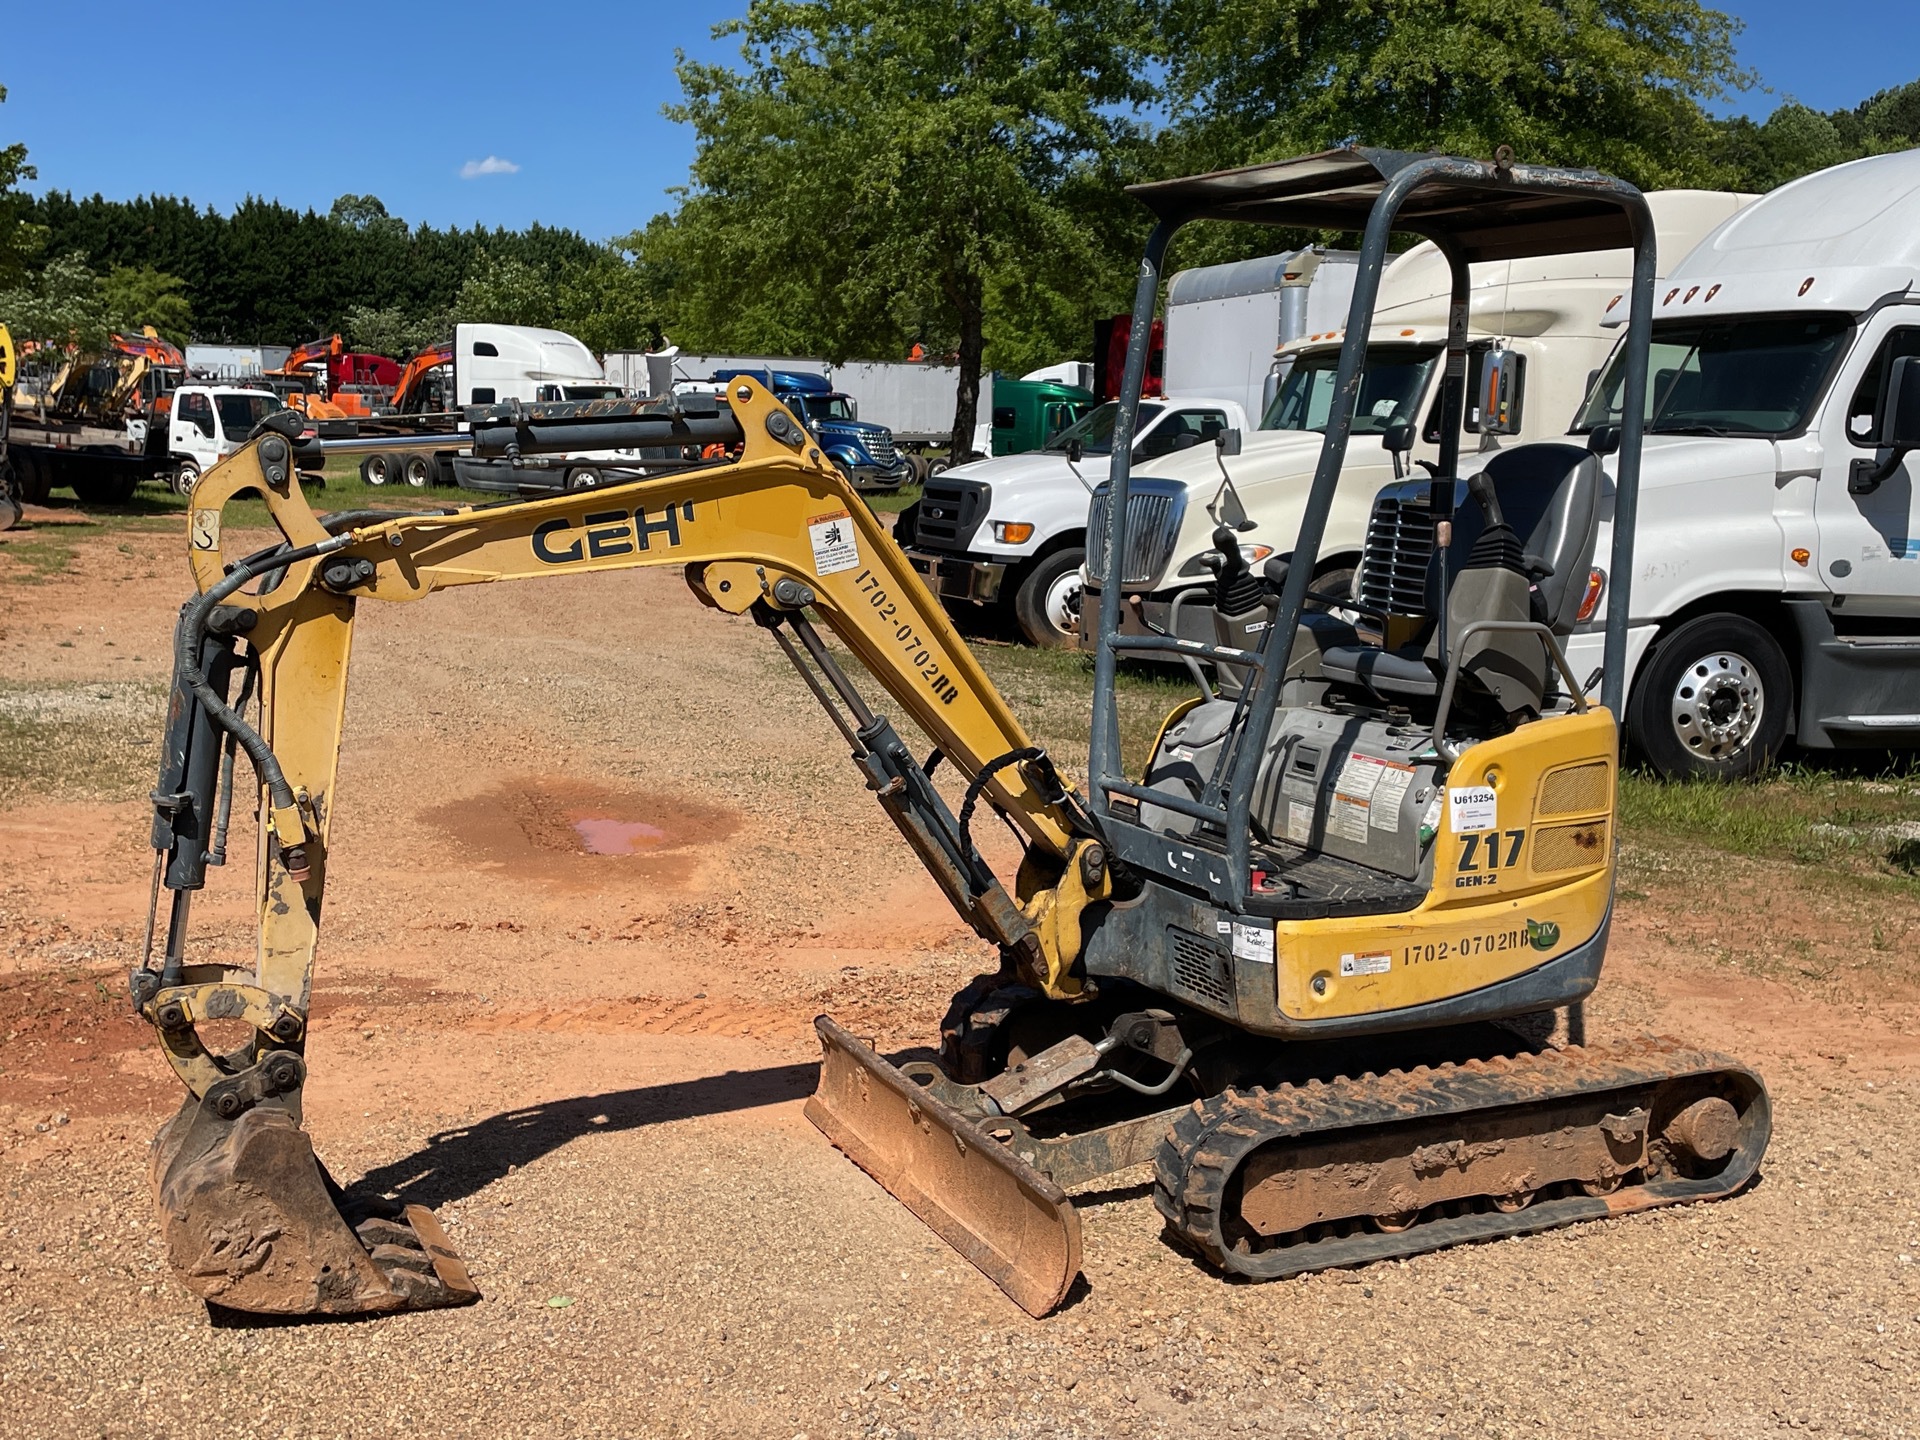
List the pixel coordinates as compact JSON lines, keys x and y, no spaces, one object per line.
{"x":863,"y":452}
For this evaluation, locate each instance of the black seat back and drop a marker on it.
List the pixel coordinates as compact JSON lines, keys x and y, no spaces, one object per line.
{"x":1550,"y":495}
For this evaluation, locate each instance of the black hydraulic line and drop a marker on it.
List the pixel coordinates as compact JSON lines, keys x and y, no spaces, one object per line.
{"x":810,"y":638}
{"x":819,"y":691}
{"x":186,"y":660}
{"x":979,"y":783}
{"x":217,"y":850}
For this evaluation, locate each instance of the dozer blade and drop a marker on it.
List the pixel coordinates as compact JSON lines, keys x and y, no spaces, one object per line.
{"x":1011,"y":1221}
{"x":252,"y":1223}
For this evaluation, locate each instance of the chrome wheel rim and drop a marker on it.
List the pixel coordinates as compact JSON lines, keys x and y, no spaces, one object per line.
{"x":1718,"y":704}
{"x":1061,"y":607}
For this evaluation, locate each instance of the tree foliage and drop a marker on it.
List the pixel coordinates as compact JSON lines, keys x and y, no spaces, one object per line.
{"x":62,"y":305}
{"x":885,"y":172}
{"x":20,"y":240}
{"x":137,"y":296}
{"x":1795,"y":140}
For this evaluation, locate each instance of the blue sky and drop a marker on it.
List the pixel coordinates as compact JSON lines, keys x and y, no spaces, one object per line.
{"x":555,"y":110}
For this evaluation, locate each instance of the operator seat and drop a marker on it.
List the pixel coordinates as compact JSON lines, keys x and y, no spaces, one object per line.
{"x":1548,"y":496}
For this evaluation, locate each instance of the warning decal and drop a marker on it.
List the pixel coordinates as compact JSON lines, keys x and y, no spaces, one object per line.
{"x":834,"y":547}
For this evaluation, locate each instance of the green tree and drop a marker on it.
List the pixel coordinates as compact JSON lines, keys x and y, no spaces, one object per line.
{"x":134,"y":297}
{"x":883,"y":171}
{"x":503,"y":290}
{"x":62,"y":306}
{"x":19,"y":240}
{"x":390,"y":330}
{"x":1613,"y":84}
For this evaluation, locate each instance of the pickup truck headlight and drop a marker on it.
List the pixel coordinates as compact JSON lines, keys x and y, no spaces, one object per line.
{"x":1012,"y":532}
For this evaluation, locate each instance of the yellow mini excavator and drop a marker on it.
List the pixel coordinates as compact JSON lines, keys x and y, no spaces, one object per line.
{"x":1282,"y":965}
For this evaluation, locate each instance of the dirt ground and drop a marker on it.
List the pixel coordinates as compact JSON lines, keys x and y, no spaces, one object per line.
{"x":592,"y":1066}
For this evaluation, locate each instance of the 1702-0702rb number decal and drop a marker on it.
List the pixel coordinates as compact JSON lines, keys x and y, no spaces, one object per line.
{"x":918,"y":651}
{"x":1539,"y":934}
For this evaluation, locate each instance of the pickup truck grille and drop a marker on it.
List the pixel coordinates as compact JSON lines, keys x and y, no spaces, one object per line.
{"x":949,"y":512}
{"x":1154,"y":511}
{"x":1393,"y":567}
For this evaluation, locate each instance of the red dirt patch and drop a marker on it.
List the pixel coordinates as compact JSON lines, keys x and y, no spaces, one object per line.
{"x":67,"y":1037}
{"x":565,"y":830}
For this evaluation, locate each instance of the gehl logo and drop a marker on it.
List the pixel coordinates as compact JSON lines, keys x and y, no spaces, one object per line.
{"x":608,"y":533}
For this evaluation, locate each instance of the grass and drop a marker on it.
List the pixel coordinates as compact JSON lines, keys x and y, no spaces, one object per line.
{"x":1803,"y":813}
{"x":95,"y":739}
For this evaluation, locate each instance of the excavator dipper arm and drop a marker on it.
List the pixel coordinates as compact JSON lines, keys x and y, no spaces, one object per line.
{"x":251,"y":1221}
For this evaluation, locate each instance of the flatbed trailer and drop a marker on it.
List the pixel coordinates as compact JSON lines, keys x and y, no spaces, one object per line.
{"x":103,"y":464}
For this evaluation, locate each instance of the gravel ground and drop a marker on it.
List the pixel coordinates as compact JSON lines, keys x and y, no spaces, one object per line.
{"x":593,"y":1068}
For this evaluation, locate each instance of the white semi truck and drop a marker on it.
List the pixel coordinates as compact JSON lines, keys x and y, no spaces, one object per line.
{"x":1776,"y":593}
{"x":1545,"y":311}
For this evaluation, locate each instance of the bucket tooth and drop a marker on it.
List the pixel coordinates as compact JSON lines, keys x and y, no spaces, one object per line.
{"x":251,"y":1224}
{"x":1008,"y":1219}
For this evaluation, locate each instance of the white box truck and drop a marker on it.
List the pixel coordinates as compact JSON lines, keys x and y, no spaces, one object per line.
{"x":1225,"y":322}
{"x":1776,"y":593}
{"x":1547,"y":310}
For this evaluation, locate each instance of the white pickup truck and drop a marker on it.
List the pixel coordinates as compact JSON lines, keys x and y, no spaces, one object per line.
{"x":1776,"y":588}
{"x":1012,"y":531}
{"x":1546,"y":310}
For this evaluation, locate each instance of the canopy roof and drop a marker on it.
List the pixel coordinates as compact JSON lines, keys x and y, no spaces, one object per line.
{"x":1489,"y":213}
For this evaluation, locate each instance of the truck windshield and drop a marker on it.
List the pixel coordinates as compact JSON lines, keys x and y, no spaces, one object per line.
{"x":827,"y":407}
{"x":592,"y":392}
{"x":1757,"y":377}
{"x":240,"y":413}
{"x":1390,"y":390}
{"x":1094,"y":431}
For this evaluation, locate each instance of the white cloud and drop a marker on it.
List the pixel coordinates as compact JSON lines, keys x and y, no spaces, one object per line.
{"x":492,"y":165}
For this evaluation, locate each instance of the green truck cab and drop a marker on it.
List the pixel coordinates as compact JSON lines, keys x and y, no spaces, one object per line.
{"x":1028,"y":413}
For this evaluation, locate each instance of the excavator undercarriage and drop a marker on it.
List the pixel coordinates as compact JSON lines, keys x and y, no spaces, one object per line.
{"x":1299,"y":968}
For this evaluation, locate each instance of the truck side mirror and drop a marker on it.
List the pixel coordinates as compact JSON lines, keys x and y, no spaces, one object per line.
{"x":1074,"y":451}
{"x":1899,"y":426}
{"x":1227,"y":442}
{"x":1397,"y":441}
{"x":1603,"y":440}
{"x":1502,"y":384}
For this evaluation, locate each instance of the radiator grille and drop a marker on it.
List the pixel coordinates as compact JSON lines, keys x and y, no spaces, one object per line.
{"x":879,"y":445}
{"x":1577,"y":789}
{"x":1393,"y":568}
{"x":1200,"y":968}
{"x":949,"y":511}
{"x":1570,"y":847}
{"x":1154,"y":511}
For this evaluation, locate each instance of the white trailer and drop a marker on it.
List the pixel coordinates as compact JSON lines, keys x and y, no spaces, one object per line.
{"x":1224,"y":322}
{"x":234,"y":362}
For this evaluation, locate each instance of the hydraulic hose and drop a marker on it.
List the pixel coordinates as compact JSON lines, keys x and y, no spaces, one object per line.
{"x":186,"y":659}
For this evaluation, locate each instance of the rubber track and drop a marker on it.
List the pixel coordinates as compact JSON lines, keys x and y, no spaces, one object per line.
{"x":1206,"y":1146}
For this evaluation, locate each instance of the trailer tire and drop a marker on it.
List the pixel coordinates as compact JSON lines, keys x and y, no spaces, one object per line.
{"x":104,"y":489}
{"x":379,"y":469}
{"x":919,"y":464}
{"x":1047,"y":603}
{"x":937,"y":465}
{"x":420,"y":471}
{"x":583,"y":477}
{"x":186,"y":475}
{"x":1712,"y":700}
{"x":10,"y":512}
{"x":35,"y":478}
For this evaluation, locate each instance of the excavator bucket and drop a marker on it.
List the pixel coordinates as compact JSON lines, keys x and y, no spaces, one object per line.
{"x":253,"y":1223}
{"x":1011,"y":1221}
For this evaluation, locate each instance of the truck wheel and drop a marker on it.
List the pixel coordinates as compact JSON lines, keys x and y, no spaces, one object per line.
{"x":1047,"y":604}
{"x":1711,"y":701}
{"x":419,"y":471}
{"x":104,"y":490}
{"x":937,"y":465}
{"x":379,"y":469}
{"x":35,"y":478}
{"x":583,"y":477}
{"x":186,"y":475}
{"x":10,"y":512}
